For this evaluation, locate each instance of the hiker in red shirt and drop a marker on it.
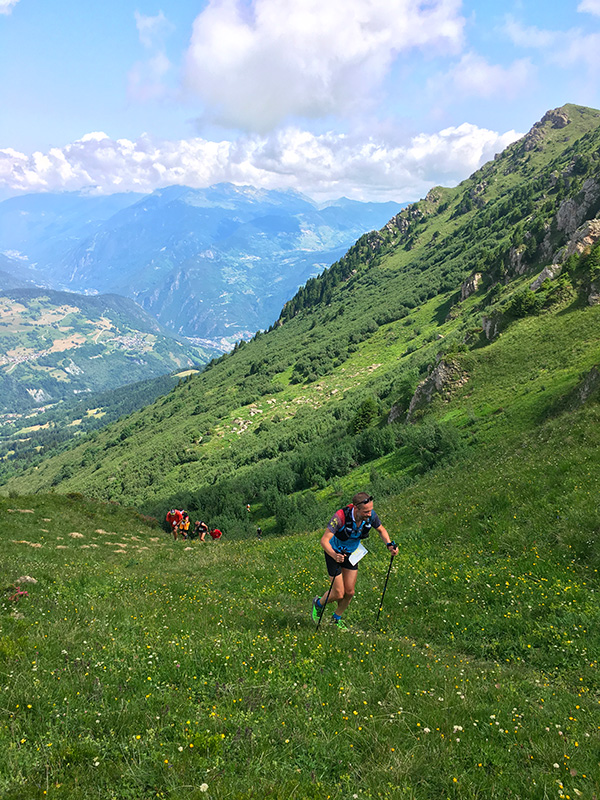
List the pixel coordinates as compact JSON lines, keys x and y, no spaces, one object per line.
{"x":174,"y":517}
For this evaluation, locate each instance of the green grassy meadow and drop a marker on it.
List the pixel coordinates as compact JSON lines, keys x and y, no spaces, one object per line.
{"x":138,"y":667}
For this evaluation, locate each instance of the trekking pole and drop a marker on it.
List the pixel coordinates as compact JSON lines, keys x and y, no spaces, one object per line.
{"x":326,"y":601}
{"x":384,"y":588}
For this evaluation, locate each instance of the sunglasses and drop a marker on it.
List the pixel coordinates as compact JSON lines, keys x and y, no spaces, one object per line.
{"x":368,"y":500}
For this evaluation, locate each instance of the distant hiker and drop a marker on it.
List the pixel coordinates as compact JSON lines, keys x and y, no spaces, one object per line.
{"x":259,"y":533}
{"x":174,"y":517}
{"x":216,"y":533}
{"x":184,"y":525}
{"x":340,"y":541}
{"x":200,"y":529}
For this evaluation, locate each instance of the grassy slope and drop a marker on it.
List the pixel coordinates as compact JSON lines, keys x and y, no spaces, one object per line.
{"x":137,"y":673}
{"x":141,"y":668}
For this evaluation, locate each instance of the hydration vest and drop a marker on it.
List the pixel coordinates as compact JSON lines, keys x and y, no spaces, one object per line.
{"x":345,"y":533}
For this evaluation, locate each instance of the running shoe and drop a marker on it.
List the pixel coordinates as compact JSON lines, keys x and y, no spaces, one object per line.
{"x":316,"y":611}
{"x":340,"y":624}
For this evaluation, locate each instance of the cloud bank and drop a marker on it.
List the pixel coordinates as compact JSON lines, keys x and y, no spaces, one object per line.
{"x":323,"y":166}
{"x":257,"y":66}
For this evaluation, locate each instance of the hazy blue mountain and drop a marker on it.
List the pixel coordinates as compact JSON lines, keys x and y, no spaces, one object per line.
{"x":15,"y":273}
{"x":43,"y":226}
{"x":208,"y":263}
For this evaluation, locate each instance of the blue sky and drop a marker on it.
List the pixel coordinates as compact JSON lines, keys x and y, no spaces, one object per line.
{"x":371,"y":99}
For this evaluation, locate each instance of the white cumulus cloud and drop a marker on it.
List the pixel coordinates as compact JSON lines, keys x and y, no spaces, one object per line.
{"x":255,"y":65}
{"x":475,"y":76}
{"x":152,"y":30}
{"x":6,"y":6}
{"x":591,"y":6}
{"x":570,"y":48}
{"x":323,"y":166}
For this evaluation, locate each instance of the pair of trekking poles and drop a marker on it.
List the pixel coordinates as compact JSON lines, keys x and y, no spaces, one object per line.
{"x":380,"y":602}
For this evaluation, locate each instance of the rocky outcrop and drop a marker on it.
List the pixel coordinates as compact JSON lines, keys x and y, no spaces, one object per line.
{"x":398,"y":224}
{"x":491,"y":325}
{"x":585,"y":237}
{"x":594,"y":295}
{"x":574,"y":211}
{"x":395,"y":413}
{"x":477,"y":194}
{"x":374,"y":241}
{"x":556,"y":118}
{"x":515,"y":260}
{"x":471,"y":285}
{"x":444,"y":380}
{"x":551,"y":272}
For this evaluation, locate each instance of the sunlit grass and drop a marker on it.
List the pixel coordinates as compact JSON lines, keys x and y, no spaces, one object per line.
{"x":136,"y":667}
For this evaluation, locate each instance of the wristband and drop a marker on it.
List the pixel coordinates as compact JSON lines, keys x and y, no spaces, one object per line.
{"x":390,"y":544}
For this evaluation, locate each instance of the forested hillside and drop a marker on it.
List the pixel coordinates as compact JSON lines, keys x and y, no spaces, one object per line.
{"x":470,"y":319}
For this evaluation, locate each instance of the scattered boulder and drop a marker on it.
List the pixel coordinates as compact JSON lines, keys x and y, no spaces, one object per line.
{"x":444,"y":380}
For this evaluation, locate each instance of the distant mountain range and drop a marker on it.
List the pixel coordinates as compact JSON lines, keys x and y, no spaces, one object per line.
{"x":468,"y":324}
{"x":207,"y":263}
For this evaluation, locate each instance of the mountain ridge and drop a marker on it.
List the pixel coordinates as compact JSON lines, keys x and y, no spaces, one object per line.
{"x":242,"y":251}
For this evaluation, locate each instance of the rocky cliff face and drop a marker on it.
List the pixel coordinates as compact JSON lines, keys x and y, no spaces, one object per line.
{"x":471,"y":285}
{"x":585,"y":237}
{"x":555,"y":118}
{"x":444,"y":380}
{"x":574,"y":211}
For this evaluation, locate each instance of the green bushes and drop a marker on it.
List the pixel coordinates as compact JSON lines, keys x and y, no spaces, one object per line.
{"x":432,"y":443}
{"x":366,"y":413}
{"x":525,"y":303}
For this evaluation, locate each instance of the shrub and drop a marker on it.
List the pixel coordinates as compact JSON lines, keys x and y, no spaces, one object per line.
{"x":525,"y":303}
{"x":366,"y":413}
{"x":432,"y":442}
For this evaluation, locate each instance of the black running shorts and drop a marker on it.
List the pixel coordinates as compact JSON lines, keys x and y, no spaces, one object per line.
{"x":333,"y":568}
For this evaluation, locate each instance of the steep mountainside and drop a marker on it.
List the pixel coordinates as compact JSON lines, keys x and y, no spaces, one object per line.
{"x":13,"y":275}
{"x":466,"y":322}
{"x":56,"y":345}
{"x":212,"y":263}
{"x":42,"y":227}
